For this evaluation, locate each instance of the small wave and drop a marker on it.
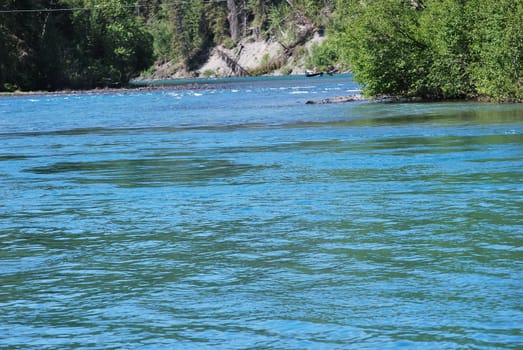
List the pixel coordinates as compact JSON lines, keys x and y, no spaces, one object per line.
{"x":174,"y":94}
{"x":304,"y":87}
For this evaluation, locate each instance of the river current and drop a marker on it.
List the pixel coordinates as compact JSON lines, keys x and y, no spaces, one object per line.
{"x":235,"y":216}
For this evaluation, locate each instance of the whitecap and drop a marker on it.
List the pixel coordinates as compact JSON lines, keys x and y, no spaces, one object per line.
{"x":298,"y":92}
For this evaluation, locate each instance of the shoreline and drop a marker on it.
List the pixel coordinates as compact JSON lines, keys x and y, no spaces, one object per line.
{"x":130,"y":88}
{"x":101,"y":91}
{"x":139,"y":85}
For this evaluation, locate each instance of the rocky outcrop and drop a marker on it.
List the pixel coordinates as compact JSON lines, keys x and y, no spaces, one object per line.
{"x":250,"y":56}
{"x":338,"y":99}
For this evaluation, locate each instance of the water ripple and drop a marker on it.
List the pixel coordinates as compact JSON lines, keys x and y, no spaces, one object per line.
{"x":347,"y":226}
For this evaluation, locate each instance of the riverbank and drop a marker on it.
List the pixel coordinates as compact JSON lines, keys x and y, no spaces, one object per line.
{"x":123,"y":90}
{"x":222,"y":83}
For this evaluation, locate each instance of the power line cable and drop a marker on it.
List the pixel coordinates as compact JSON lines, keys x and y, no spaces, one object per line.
{"x":97,"y":8}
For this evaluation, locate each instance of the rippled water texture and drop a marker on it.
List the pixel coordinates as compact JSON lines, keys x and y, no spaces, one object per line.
{"x":238,"y":217}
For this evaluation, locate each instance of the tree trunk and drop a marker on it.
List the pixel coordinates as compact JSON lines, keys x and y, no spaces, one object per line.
{"x":234,"y":23}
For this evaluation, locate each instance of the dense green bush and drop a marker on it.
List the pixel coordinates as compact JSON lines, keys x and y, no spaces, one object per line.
{"x":497,"y":45}
{"x":325,"y":55}
{"x":433,"y":48}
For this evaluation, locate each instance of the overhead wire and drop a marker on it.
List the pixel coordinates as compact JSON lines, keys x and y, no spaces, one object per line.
{"x":96,"y":8}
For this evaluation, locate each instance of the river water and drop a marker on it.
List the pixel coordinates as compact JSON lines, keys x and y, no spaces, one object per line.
{"x":235,"y":216}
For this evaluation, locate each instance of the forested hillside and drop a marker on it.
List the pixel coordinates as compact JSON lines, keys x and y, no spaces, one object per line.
{"x":429,"y":48}
{"x":56,"y":44}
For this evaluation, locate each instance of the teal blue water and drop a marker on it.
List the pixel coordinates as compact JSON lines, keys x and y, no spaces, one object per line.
{"x":235,"y":216}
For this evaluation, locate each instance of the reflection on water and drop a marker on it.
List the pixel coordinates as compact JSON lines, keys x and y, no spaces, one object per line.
{"x":435,"y":113}
{"x":138,"y":221}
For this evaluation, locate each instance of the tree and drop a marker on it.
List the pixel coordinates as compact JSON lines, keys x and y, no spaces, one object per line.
{"x":387,"y":56}
{"x":10,"y":50}
{"x":104,"y":43}
{"x":27,"y":37}
{"x":112,"y":44}
{"x":191,"y":33}
{"x":497,"y":46}
{"x":433,"y":48}
{"x":234,"y":20}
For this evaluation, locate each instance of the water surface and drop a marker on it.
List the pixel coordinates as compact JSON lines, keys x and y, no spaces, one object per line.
{"x":237,"y":217}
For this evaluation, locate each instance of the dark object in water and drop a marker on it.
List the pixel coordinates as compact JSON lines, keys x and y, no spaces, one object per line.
{"x":339,"y":99}
{"x":312,"y":73}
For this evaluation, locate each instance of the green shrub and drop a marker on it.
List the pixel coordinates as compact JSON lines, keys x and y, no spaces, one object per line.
{"x":434,"y":49}
{"x":209,"y":73}
{"x":10,"y":87}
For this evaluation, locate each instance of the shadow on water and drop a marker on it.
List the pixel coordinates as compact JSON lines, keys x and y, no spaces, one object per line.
{"x":147,"y":172}
{"x":359,"y":114}
{"x":440,"y":144}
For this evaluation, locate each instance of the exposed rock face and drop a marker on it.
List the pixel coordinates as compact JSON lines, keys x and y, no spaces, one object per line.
{"x":248,"y":55}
